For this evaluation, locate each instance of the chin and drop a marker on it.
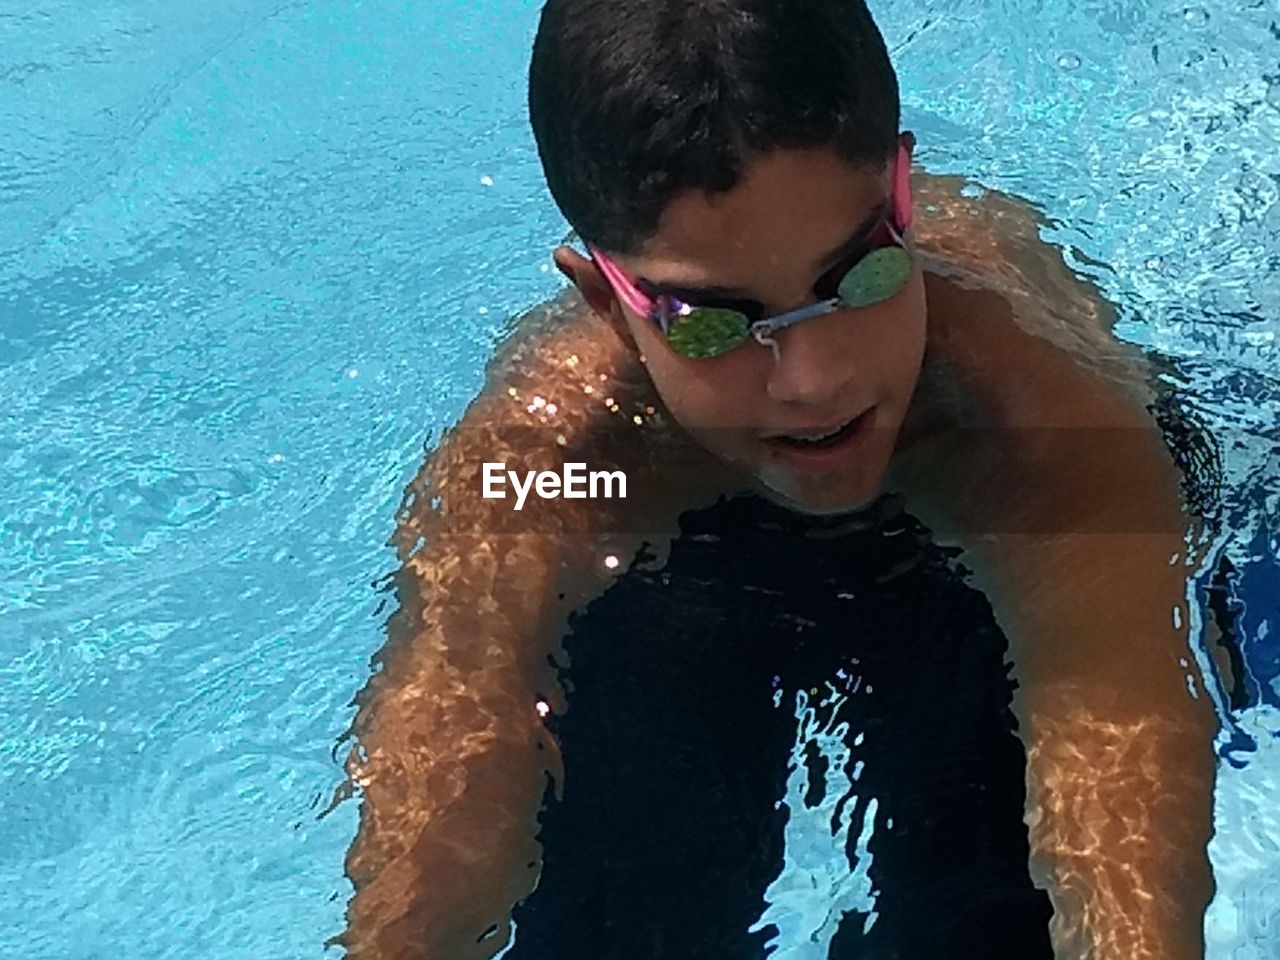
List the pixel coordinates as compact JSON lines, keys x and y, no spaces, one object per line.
{"x":825,"y":503}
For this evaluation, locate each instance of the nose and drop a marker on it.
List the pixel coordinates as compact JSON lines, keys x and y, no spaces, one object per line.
{"x":812,"y":364}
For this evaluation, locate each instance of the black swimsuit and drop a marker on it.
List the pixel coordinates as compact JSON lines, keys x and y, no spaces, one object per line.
{"x":795,"y":732}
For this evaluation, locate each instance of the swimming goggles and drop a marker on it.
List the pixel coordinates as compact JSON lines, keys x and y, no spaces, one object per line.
{"x":876,"y":270}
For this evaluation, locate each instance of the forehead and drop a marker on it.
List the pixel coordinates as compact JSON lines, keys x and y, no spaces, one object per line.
{"x":789,"y":206}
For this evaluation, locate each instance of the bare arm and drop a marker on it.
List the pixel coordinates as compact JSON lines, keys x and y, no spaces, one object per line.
{"x":453,"y":759}
{"x":1069,"y":509}
{"x":1116,"y":720}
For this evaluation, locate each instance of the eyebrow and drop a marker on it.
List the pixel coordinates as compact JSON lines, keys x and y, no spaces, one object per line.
{"x":846,"y":248}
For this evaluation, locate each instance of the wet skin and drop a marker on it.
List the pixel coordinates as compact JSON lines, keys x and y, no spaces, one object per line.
{"x":1005,"y":414}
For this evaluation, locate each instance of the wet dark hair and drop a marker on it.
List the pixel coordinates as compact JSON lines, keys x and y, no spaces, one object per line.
{"x":635,"y":101}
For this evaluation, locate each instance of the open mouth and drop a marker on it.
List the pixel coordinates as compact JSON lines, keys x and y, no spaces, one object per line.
{"x":821,"y":441}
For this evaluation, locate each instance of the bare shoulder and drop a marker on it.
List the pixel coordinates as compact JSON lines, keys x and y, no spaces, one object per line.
{"x":552,"y":331}
{"x":1045,"y":416}
{"x":993,"y":239}
{"x":562,"y":368}
{"x":988,"y":339}
{"x":563,"y":388}
{"x":1002,"y":299}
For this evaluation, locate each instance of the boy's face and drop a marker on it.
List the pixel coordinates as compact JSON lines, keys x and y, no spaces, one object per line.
{"x":767,"y":240}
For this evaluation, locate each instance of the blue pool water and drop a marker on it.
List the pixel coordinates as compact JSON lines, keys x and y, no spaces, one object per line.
{"x":253,"y":256}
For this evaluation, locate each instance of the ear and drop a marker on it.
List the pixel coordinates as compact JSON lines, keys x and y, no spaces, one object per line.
{"x":595,"y":289}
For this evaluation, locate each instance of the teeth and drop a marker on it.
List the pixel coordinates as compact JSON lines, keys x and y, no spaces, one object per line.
{"x":815,"y":437}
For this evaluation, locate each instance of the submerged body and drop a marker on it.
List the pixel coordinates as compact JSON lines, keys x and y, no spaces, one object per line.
{"x":794,"y":735}
{"x":1025,"y":442}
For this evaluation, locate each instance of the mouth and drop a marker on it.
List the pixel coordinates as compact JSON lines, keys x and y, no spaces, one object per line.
{"x":824,"y":450}
{"x":820,"y":439}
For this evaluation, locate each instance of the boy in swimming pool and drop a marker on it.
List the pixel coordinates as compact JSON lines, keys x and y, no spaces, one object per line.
{"x":763,"y":306}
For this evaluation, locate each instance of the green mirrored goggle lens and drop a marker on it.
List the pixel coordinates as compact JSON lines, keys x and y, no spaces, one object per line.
{"x":707,"y":332}
{"x":876,"y":277}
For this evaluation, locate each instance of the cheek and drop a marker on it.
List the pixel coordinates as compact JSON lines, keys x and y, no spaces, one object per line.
{"x":900,"y":338}
{"x":671,"y":381}
{"x":704,"y":395}
{"x":708,"y":398}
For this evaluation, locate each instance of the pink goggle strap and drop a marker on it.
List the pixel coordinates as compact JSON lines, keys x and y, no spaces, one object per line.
{"x":902,"y":207}
{"x":625,"y":289}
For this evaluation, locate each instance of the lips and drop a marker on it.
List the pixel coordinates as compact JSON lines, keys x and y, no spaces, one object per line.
{"x":818,"y":437}
{"x":824,"y":450}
